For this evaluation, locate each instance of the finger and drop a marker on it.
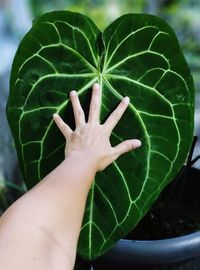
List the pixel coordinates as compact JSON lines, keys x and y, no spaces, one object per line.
{"x":95,"y":104}
{"x":77,"y":109}
{"x":115,"y":116}
{"x":64,"y":128}
{"x":125,"y":147}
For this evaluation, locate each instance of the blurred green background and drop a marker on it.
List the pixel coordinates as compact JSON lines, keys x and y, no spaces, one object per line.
{"x":16,"y":17}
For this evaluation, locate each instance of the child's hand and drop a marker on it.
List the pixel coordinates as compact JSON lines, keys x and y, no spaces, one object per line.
{"x":91,"y":140}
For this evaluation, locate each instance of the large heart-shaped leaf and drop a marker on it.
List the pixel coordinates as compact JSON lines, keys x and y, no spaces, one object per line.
{"x":137,"y":55}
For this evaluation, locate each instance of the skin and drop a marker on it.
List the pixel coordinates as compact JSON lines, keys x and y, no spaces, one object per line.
{"x":41,"y":229}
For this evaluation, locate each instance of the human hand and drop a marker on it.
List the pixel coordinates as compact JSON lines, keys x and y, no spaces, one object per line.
{"x":91,"y":140}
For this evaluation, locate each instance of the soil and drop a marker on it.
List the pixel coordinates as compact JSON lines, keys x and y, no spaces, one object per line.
{"x":176,"y":212}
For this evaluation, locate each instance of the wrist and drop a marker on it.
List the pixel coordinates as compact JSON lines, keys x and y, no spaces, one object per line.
{"x":83,"y":166}
{"x":81,"y":158}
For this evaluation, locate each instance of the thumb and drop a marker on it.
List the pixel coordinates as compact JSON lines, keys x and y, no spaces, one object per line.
{"x":126,"y":146}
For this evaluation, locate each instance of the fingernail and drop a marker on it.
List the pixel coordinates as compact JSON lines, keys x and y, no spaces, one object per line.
{"x":96,"y":88}
{"x":126,"y":100}
{"x":96,"y":85}
{"x":136,"y":143}
{"x":55,"y":115}
{"x":73,"y":93}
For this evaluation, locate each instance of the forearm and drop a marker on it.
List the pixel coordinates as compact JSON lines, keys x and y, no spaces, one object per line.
{"x":41,"y":229}
{"x":52,"y":210}
{"x":61,"y":197}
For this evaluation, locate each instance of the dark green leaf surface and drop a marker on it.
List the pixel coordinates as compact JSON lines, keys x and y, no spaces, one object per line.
{"x":137,"y":56}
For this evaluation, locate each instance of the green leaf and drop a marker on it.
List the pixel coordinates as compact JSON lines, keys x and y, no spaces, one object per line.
{"x":137,"y":55}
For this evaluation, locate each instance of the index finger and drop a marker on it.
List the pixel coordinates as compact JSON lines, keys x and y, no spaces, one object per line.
{"x":115,"y":116}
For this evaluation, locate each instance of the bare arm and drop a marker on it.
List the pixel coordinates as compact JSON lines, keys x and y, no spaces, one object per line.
{"x":41,"y":229}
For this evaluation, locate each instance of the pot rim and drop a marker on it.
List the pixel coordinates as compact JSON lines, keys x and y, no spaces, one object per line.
{"x":168,"y":250}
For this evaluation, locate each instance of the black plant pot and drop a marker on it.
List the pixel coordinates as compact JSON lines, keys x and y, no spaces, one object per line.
{"x":174,"y":253}
{"x":180,"y":201}
{"x":179,"y":253}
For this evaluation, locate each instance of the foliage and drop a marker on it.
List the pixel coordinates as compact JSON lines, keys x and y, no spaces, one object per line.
{"x":184,"y":17}
{"x":138,"y":56}
{"x":9,"y":192}
{"x":101,"y":11}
